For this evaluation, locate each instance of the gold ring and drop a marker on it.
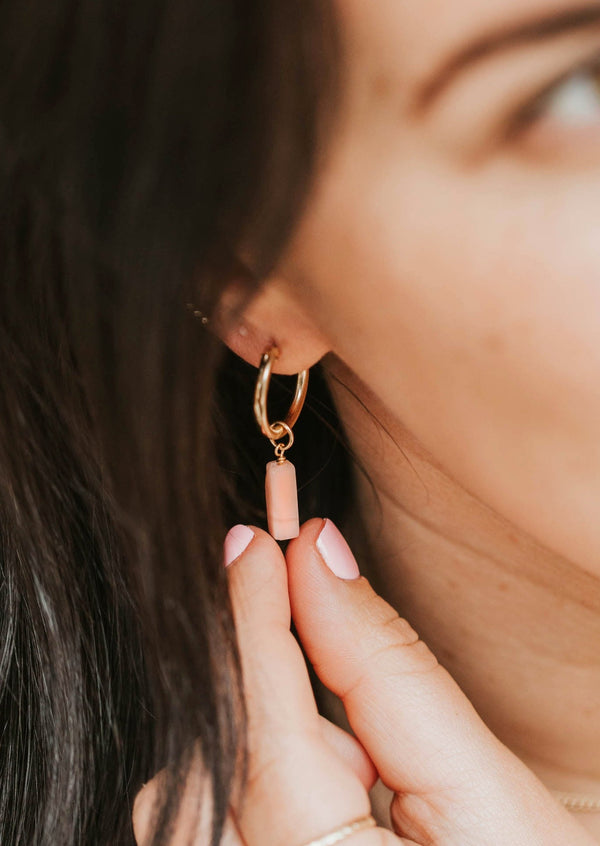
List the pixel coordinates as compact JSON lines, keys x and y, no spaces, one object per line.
{"x":287,"y":431}
{"x":276,"y":431}
{"x":345,"y":831}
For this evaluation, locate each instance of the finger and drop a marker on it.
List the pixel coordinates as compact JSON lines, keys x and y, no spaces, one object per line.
{"x":298,"y":787}
{"x":346,"y":747}
{"x":193,"y":822}
{"x":351,"y":751}
{"x":343,"y":744}
{"x":426,"y":740}
{"x":390,"y":683}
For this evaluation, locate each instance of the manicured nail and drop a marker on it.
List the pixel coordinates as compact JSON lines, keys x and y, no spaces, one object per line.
{"x":336,"y":552}
{"x":236,"y":541}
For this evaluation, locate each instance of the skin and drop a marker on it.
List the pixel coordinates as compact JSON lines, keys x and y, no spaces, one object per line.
{"x":447,"y":274}
{"x":453,"y":783}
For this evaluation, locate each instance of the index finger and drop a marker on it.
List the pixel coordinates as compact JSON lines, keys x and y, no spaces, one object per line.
{"x":298,"y":789}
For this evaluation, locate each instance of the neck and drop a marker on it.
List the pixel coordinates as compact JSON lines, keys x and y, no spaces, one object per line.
{"x":517,"y":626}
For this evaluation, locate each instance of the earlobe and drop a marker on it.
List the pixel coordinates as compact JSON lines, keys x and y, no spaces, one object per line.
{"x":270,"y":317}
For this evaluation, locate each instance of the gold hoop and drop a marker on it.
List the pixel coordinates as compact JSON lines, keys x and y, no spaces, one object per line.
{"x":275,"y":431}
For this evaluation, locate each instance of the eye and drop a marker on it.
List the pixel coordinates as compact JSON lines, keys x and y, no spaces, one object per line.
{"x":573,"y":102}
{"x":569,"y":102}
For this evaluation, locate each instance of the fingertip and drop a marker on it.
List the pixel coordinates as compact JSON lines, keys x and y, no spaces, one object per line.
{"x":237,"y":540}
{"x":335,"y":552}
{"x":312,"y":528}
{"x":320,"y":538}
{"x":301,"y":553}
{"x":307,"y":535}
{"x":258,"y":579}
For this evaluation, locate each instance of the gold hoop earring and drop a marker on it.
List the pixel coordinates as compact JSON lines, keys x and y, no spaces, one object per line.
{"x":281,"y":492}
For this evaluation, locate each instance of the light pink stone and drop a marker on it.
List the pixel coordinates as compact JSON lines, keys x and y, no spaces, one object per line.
{"x":282,"y":500}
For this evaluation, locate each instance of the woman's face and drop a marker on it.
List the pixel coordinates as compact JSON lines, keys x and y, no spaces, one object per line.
{"x":451,"y":253}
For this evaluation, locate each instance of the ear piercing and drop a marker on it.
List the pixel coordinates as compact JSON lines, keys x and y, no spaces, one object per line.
{"x":197,"y":313}
{"x":281,"y":491}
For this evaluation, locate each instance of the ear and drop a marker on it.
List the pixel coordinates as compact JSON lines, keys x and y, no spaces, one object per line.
{"x":271,"y":316}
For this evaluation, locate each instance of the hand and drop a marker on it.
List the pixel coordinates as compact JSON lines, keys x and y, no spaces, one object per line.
{"x":454,"y":782}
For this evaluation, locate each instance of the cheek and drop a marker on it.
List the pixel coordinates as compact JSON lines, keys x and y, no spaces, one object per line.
{"x":470,"y":306}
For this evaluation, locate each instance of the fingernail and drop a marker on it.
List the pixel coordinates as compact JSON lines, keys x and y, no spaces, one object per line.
{"x":336,"y":552}
{"x":236,"y":541}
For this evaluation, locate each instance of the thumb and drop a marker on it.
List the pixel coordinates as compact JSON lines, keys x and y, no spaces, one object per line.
{"x":401,"y":703}
{"x":429,"y":745}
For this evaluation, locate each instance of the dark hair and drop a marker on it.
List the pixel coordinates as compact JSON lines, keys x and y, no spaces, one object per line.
{"x":144,"y":147}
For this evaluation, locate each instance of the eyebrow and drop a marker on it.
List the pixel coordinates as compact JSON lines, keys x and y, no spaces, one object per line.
{"x":523,"y":33}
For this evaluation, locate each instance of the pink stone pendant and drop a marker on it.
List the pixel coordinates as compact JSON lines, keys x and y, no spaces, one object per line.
{"x":282,"y":500}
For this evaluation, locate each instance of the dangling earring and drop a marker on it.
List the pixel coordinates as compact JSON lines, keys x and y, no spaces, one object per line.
{"x":281,"y":490}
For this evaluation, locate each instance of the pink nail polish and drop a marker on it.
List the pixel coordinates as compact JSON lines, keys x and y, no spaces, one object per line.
{"x":282,"y":500}
{"x":336,"y":553}
{"x":236,"y":541}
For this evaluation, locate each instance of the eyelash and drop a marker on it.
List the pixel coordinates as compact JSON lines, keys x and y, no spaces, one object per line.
{"x":533,"y":109}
